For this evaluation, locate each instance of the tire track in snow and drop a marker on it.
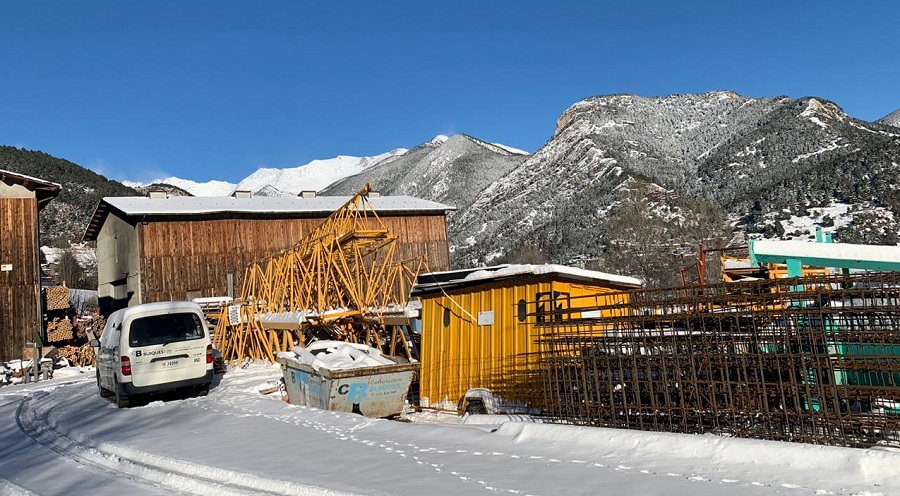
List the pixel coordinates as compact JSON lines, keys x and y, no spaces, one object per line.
{"x":431,"y":458}
{"x":170,"y":475}
{"x":10,"y":489}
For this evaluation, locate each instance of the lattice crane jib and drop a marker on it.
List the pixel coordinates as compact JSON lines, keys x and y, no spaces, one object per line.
{"x":338,"y":282}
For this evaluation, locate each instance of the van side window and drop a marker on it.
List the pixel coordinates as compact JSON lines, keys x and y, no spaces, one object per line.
{"x":167,"y":328}
{"x":109,"y":338}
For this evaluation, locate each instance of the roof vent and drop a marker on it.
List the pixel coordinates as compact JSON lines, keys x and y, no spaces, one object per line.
{"x":308,"y":194}
{"x":158,"y":194}
{"x":241,"y":193}
{"x":374,"y":194}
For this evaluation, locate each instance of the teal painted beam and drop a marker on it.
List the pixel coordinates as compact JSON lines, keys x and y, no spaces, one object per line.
{"x":794,"y":267}
{"x":876,"y":265}
{"x":838,"y":255}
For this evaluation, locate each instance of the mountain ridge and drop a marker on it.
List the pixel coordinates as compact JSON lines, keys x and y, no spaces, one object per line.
{"x":634,"y":184}
{"x":313,"y":175}
{"x":717,"y":146}
{"x":64,"y":219}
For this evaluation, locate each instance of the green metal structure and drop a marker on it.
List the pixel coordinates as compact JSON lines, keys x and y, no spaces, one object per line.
{"x":824,"y":253}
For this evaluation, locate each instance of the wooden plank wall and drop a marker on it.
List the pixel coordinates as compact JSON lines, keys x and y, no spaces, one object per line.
{"x":19,"y":314}
{"x":182,"y":257}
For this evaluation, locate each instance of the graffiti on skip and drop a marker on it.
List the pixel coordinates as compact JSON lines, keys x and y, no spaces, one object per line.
{"x":355,"y":392}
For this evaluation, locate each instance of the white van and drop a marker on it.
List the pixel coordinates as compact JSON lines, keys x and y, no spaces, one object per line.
{"x":152,"y":348}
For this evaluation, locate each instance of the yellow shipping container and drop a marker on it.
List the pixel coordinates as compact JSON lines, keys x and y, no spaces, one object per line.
{"x":478,"y":324}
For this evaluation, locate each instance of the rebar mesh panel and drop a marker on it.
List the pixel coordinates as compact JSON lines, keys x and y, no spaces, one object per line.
{"x":814,"y":360}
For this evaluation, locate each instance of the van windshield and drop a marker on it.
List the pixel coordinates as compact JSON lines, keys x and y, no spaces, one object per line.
{"x":164,"y":329}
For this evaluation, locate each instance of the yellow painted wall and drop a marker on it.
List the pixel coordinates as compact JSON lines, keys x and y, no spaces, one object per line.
{"x":461,"y":354}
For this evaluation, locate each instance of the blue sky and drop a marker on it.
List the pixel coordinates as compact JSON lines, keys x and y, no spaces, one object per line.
{"x":216,"y":89}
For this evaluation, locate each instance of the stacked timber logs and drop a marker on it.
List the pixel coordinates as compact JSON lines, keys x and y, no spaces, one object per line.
{"x":57,"y":298}
{"x":79,"y":356}
{"x":94,"y":324}
{"x":59,"y":330}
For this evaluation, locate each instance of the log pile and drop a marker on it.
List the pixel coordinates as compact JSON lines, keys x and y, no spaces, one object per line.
{"x":78,"y":356}
{"x":59,"y":330}
{"x":95,"y":325}
{"x":57,"y":298}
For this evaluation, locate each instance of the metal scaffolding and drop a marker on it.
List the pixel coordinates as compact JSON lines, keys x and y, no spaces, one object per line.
{"x":341,"y":281}
{"x":813,"y":360}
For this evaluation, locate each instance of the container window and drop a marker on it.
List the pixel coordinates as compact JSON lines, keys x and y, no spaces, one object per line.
{"x":446,"y":317}
{"x":522,"y":310}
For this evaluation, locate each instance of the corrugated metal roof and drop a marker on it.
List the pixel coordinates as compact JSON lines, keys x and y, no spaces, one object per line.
{"x":184,"y":205}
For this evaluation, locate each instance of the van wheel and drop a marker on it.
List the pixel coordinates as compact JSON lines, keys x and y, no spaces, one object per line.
{"x":122,"y":399}
{"x":104,"y":393}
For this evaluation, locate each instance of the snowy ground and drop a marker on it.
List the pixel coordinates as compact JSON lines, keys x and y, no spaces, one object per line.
{"x":60,"y":438}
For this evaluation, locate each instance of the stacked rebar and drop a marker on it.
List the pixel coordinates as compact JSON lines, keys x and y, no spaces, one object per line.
{"x":813,"y":360}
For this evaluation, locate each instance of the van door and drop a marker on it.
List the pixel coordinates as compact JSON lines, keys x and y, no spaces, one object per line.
{"x":166,"y":348}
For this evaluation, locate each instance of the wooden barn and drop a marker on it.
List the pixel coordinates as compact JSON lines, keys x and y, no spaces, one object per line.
{"x":478,"y":324}
{"x":161,"y":247}
{"x":21,"y":198}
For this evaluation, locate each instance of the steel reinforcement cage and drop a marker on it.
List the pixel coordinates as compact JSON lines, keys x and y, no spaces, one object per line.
{"x":813,"y":360}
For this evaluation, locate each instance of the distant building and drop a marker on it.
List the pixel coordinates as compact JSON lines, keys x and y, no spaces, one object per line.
{"x":161,"y":247}
{"x":478,"y":324}
{"x":21,"y":198}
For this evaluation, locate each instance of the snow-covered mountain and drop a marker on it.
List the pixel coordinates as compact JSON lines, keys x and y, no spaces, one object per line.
{"x":449,"y":170}
{"x":892,"y":119}
{"x":705,"y":168}
{"x":314,"y":176}
{"x":209,"y":188}
{"x":622,"y":174}
{"x":761,"y":160}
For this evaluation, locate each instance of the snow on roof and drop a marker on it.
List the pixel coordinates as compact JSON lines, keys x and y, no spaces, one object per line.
{"x":212,"y":205}
{"x":738,"y":263}
{"x":513,"y":270}
{"x":44,"y":190}
{"x":29,"y":178}
{"x":176,"y":205}
{"x":446,"y":279}
{"x":838,"y":251}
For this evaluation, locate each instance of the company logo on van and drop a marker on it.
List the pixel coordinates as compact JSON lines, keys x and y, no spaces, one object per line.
{"x":139,"y":353}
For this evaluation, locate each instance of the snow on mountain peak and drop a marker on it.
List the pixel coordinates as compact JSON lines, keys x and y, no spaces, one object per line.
{"x":208,"y":188}
{"x":514,"y":151}
{"x":314,"y":175}
{"x":816,"y":111}
{"x":892,"y":119}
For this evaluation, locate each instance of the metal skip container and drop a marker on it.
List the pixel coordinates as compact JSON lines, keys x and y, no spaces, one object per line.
{"x":378,"y":391}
